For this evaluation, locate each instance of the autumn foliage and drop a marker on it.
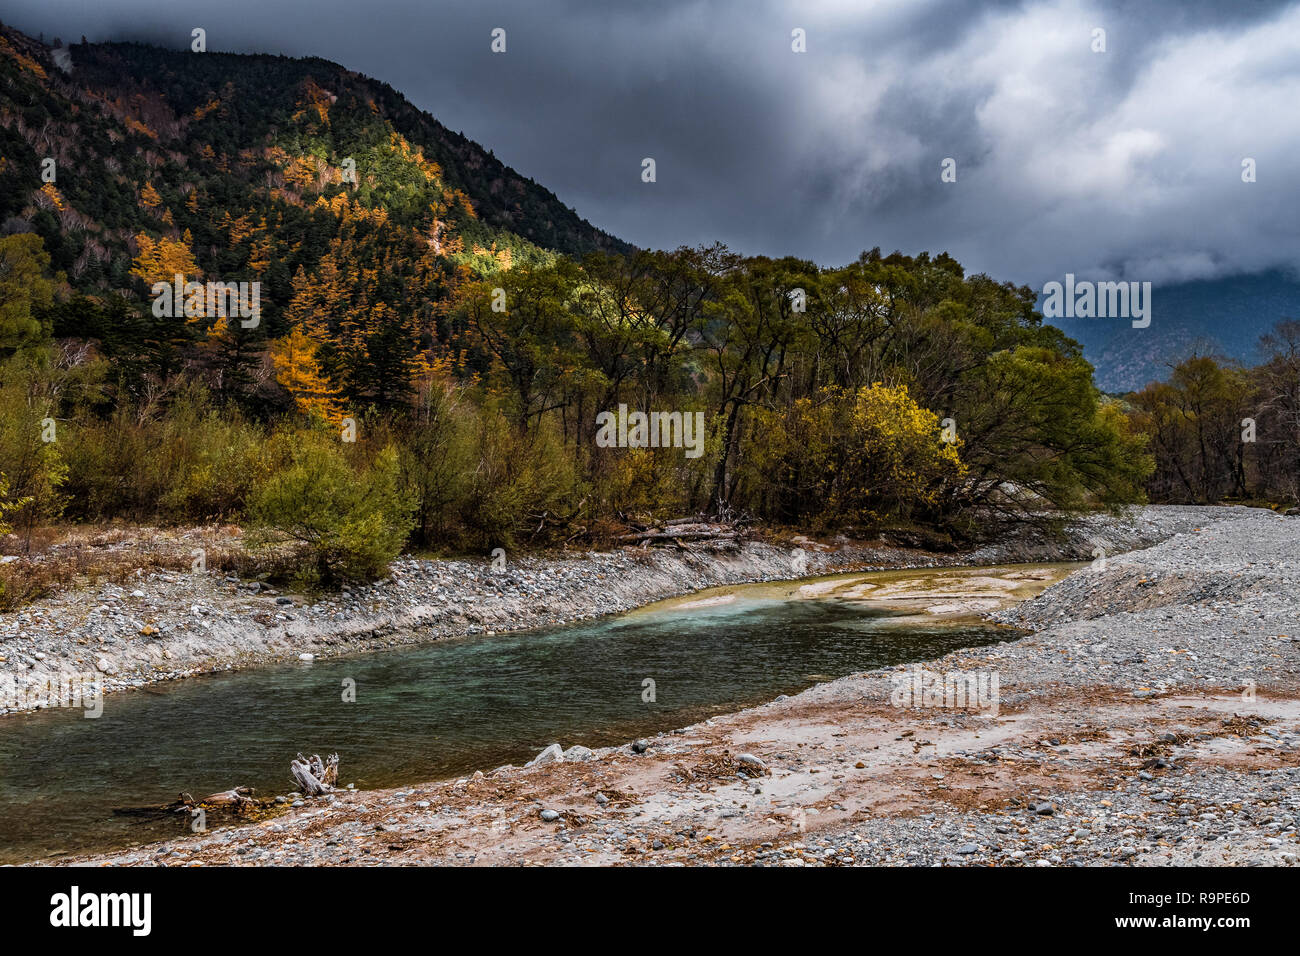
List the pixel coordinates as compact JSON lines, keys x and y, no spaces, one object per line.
{"x":438,"y":335}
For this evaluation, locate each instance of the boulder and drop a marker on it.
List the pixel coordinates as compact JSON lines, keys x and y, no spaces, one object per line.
{"x":553,"y":753}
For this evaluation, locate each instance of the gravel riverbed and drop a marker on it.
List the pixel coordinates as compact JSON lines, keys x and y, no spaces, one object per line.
{"x":1152,"y":718}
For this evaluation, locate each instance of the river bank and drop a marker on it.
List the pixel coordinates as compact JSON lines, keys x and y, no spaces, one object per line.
{"x":167,"y":625}
{"x":1153,"y":718}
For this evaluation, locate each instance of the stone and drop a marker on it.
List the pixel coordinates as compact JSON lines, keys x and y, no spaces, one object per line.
{"x":553,"y":753}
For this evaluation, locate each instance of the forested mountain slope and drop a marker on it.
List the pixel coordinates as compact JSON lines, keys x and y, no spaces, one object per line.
{"x":134,"y":163}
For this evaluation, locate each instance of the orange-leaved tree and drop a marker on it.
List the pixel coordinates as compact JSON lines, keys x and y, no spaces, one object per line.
{"x":298,"y":371}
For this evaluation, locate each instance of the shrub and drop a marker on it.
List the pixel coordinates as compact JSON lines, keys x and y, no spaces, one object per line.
{"x":30,"y":461}
{"x":190,"y":462}
{"x":873,"y":455}
{"x":526,"y":485}
{"x":897,"y":464}
{"x":350,"y":522}
{"x":436,"y":463}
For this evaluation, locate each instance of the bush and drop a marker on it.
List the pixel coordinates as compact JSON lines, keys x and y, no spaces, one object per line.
{"x":350,"y":522}
{"x":897,"y":463}
{"x":189,"y":462}
{"x":873,"y":456}
{"x":33,"y":469}
{"x":526,"y":485}
{"x":436,"y":463}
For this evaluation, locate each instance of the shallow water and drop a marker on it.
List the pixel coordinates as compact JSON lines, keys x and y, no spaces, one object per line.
{"x":438,"y":710}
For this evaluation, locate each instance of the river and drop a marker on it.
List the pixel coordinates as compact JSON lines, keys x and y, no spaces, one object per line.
{"x":447,"y":708}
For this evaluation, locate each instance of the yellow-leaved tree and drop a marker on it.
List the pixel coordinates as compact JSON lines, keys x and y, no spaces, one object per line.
{"x":163,"y":259}
{"x":897,"y":461}
{"x":298,"y":371}
{"x":869,"y":456}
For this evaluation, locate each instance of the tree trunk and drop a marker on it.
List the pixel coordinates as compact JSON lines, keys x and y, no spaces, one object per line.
{"x":315,"y":777}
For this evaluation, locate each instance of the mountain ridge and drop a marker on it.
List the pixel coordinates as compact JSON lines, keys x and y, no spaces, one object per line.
{"x":230,"y":155}
{"x":127,"y":117}
{"x":1222,"y":318}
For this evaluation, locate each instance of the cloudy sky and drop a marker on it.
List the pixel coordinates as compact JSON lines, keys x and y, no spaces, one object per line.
{"x":1125,"y":163}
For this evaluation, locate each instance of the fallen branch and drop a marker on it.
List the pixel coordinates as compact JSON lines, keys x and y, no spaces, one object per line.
{"x":235,"y":796}
{"x":236,"y":799}
{"x":315,"y":777}
{"x":692,"y":531}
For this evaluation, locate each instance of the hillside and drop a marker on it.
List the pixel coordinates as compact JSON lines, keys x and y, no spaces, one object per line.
{"x":242,"y":163}
{"x":1219,"y":317}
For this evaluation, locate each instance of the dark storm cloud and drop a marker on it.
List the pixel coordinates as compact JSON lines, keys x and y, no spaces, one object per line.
{"x":1122,"y":163}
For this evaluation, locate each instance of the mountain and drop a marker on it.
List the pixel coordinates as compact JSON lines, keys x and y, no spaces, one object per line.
{"x":134,"y":162}
{"x":1219,"y":317}
{"x":249,"y":167}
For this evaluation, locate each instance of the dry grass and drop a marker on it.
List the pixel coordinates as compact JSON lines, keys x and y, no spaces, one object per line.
{"x":64,"y":557}
{"x":1239,"y":726}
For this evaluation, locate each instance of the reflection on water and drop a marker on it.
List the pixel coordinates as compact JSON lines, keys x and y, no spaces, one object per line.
{"x":434,"y":711}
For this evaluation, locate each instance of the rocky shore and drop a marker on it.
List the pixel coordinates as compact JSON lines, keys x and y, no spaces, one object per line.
{"x":170,"y":625}
{"x":1152,"y":718}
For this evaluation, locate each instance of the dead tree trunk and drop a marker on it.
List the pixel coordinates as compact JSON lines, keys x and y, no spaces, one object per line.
{"x":682,"y":530}
{"x":315,"y":777}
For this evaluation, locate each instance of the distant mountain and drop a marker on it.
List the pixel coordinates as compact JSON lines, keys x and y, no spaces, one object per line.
{"x":1220,"y":317}
{"x":254,"y":165}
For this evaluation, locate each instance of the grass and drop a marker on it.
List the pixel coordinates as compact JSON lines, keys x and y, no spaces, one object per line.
{"x":62,"y":557}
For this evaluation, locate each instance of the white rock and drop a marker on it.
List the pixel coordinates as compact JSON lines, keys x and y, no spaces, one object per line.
{"x":553,"y":753}
{"x":749,"y":760}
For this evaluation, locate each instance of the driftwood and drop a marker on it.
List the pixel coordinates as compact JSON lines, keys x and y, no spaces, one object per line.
{"x":679,"y":531}
{"x":678,"y":527}
{"x":236,"y":800}
{"x":234,"y":797}
{"x":315,"y":777}
{"x":312,"y":776}
{"x":708,"y":535}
